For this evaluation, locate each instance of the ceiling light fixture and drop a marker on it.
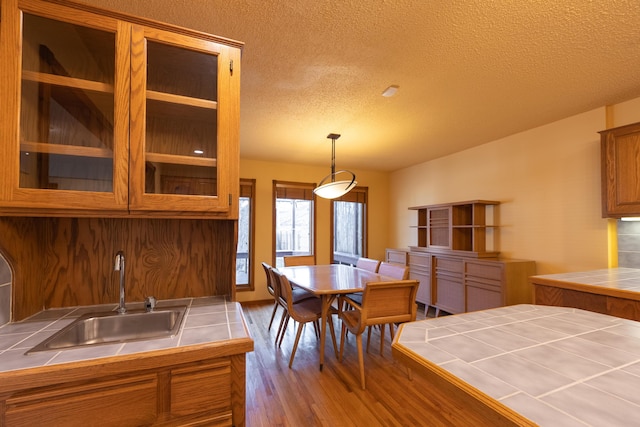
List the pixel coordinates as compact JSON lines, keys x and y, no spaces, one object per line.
{"x":329,"y":188}
{"x":390,"y":91}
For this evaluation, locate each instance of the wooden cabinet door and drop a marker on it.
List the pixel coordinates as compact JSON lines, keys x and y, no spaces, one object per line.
{"x":128,"y":401}
{"x":620,"y":157}
{"x":420,"y":270}
{"x":449,"y":286}
{"x":64,"y":129}
{"x":184,"y":120}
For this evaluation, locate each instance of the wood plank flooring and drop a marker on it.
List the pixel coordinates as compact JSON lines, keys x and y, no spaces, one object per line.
{"x":305,"y":396}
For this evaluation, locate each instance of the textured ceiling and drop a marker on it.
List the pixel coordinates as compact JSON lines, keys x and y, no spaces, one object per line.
{"x":469,"y":71}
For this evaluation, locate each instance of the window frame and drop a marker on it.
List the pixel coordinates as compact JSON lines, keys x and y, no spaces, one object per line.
{"x":357,"y":194}
{"x":298,"y":190}
{"x":248,"y":189}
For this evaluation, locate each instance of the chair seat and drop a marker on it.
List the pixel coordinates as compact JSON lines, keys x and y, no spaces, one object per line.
{"x":300,"y":295}
{"x":355,"y":297}
{"x":309,"y":309}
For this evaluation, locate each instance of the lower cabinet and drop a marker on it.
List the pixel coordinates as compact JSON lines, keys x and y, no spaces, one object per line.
{"x":495,"y":283}
{"x":129,"y":401}
{"x":420,"y":270}
{"x":207,"y":392}
{"x":449,"y":287}
{"x":458,"y":284}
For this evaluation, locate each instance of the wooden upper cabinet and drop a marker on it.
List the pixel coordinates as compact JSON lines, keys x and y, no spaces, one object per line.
{"x":111,"y":115}
{"x":620,"y":157}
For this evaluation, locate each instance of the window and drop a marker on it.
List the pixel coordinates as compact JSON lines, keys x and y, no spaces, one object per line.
{"x":293,"y":220}
{"x":246,"y":220}
{"x":349,"y":226}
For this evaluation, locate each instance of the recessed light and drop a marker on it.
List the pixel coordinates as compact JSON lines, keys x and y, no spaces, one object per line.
{"x":198,"y":152}
{"x":390,"y":91}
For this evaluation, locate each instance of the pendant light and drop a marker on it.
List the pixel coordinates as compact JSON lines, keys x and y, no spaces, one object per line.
{"x":329,"y":187}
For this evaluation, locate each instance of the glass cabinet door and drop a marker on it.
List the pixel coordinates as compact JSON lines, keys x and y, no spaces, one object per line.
{"x":181,"y":116}
{"x":67,"y":106}
{"x":69,"y":138}
{"x":176,"y":148}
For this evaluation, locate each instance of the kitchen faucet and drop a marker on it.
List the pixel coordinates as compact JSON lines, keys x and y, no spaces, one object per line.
{"x":120,"y":267}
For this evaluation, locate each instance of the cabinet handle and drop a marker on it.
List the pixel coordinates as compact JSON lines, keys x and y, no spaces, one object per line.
{"x":231,"y":67}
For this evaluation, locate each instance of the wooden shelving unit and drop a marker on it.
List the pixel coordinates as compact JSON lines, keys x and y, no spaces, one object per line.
{"x":457,"y":263}
{"x":460,"y":228}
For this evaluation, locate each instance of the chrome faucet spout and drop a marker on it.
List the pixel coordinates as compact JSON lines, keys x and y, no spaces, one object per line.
{"x":119,"y":266}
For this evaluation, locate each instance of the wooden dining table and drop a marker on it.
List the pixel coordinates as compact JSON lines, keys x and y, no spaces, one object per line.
{"x":328,"y":282}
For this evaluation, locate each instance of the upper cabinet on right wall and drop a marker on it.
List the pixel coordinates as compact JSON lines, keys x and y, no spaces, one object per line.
{"x":620,"y":157}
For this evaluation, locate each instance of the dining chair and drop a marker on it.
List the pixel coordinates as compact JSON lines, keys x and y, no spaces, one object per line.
{"x":382,"y":303}
{"x":368,"y":264}
{"x":396,"y":271}
{"x":272,"y":291}
{"x":302,"y":312}
{"x":294,"y":260}
{"x":298,"y":295}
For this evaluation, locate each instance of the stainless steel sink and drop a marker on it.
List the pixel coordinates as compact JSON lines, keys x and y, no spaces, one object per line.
{"x":112,"y":327}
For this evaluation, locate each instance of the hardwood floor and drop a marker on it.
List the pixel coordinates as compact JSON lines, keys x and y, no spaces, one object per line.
{"x":305,"y":396}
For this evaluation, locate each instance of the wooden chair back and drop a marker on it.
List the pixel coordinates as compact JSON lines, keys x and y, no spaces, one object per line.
{"x":396,"y":271}
{"x":368,"y":264}
{"x":277,"y":287}
{"x":293,"y":260}
{"x":270,"y":288}
{"x":389,"y":302}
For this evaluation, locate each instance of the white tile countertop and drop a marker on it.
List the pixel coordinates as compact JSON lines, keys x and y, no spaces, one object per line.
{"x":607,"y":281}
{"x":209,"y":319}
{"x":555,"y":366}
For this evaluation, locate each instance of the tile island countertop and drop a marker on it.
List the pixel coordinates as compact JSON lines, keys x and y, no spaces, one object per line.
{"x":620,"y":282}
{"x":613,"y":291}
{"x":531,"y":364}
{"x":207,"y":320}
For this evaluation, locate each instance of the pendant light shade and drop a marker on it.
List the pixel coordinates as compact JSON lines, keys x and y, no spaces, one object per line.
{"x":330,"y":187}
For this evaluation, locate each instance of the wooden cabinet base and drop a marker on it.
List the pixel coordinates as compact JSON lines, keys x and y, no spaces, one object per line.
{"x":161,"y":388}
{"x":459,"y":403}
{"x":626,"y":308}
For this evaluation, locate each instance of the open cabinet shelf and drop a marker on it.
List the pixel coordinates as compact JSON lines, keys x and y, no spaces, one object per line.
{"x":461,"y":227}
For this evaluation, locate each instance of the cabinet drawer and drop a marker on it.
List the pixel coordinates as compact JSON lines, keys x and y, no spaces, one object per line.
{"x":485,"y":270}
{"x":419,"y":259}
{"x":105,"y":403}
{"x":448,"y":265}
{"x":396,"y":257}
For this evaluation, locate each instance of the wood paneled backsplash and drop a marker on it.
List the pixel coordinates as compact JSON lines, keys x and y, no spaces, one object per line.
{"x":61,"y":262}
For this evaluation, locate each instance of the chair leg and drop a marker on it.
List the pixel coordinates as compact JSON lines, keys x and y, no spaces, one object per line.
{"x":360,"y":359}
{"x":381,"y":339}
{"x":284,"y":329}
{"x":368,"y":338}
{"x":343,"y":336}
{"x":295,"y":344}
{"x":282,"y":319}
{"x":273,"y":315}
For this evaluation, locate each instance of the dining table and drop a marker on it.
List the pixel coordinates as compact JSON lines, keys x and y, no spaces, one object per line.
{"x":328,"y":282}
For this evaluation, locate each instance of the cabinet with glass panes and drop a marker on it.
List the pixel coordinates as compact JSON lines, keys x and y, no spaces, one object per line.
{"x":106,"y":115}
